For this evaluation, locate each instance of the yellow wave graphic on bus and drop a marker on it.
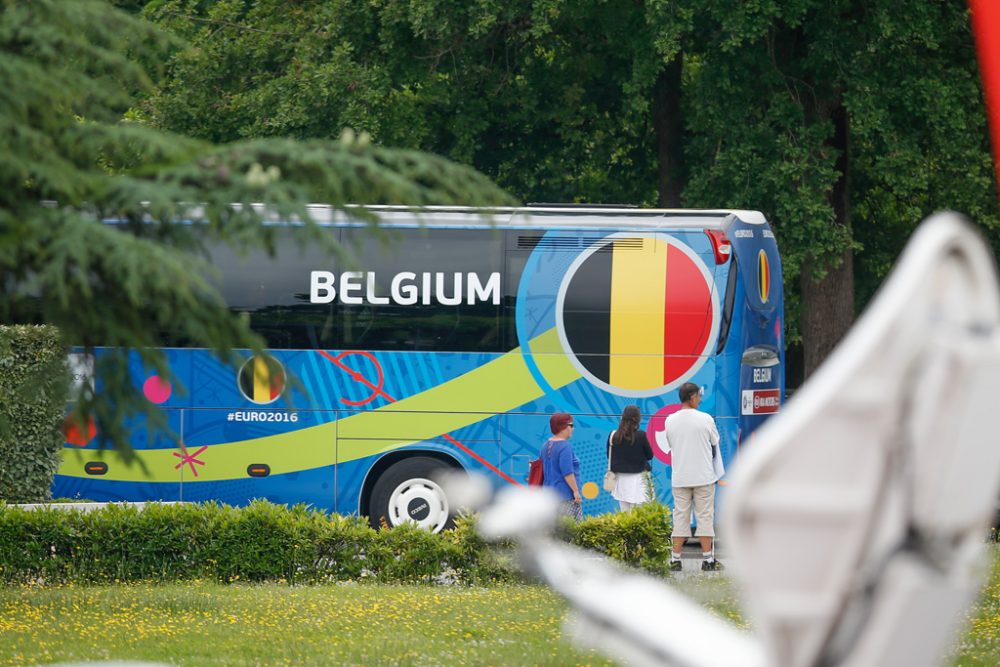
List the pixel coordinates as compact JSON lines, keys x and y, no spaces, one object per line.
{"x":495,"y":388}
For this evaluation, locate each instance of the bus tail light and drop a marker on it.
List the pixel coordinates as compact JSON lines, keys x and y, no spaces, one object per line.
{"x":720,"y":245}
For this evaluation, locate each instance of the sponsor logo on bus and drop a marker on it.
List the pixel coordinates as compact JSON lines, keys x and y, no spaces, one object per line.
{"x":761,"y":401}
{"x":405,"y":289}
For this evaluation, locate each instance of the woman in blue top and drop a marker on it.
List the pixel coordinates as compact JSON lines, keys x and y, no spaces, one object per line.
{"x":562,"y":468}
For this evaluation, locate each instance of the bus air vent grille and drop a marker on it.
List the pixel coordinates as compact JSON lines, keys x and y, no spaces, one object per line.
{"x":577,"y":243}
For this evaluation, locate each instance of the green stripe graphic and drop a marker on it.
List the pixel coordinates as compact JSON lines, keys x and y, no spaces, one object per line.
{"x":495,"y":388}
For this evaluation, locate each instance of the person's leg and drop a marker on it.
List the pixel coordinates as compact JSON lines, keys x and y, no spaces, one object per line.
{"x":625,"y":506}
{"x":678,"y":545}
{"x":682,"y":524}
{"x":704,"y":512}
{"x":571,"y":509}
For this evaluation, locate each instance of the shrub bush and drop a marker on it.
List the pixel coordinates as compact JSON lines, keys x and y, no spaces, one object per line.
{"x":267,"y":542}
{"x":33,"y":384}
{"x":477,"y":560}
{"x":640,"y":538}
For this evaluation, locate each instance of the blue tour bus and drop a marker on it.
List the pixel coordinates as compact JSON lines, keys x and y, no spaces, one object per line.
{"x":449,"y":344}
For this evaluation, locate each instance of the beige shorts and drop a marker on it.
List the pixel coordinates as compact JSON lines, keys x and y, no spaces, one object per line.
{"x":703,"y":498}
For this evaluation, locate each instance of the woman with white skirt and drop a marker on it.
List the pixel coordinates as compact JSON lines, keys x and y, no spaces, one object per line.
{"x":629,"y":455}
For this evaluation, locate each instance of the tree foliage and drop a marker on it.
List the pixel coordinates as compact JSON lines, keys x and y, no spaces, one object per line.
{"x":846,"y":122}
{"x":529,"y":91}
{"x":905,"y":77}
{"x":74,"y":157}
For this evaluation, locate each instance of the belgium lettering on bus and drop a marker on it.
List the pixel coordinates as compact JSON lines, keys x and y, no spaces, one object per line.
{"x":405,"y":289}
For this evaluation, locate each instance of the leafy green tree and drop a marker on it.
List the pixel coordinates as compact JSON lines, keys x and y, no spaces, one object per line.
{"x":528,"y":91}
{"x":73,"y":158}
{"x":846,"y":122}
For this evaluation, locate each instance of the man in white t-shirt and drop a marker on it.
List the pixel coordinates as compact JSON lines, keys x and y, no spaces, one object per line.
{"x":693,"y":438}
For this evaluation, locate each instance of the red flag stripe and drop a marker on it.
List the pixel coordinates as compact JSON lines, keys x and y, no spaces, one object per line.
{"x":687,"y":315}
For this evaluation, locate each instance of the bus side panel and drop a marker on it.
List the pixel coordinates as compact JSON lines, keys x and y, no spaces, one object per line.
{"x":112,"y":479}
{"x":626,"y":320}
{"x":285,"y":456}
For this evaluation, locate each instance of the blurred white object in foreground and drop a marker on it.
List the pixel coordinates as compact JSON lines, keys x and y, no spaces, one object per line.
{"x":855,"y":520}
{"x":626,"y":614}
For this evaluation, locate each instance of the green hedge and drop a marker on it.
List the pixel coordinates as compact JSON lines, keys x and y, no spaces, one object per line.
{"x":33,"y":384}
{"x":640,"y":538}
{"x":267,"y":542}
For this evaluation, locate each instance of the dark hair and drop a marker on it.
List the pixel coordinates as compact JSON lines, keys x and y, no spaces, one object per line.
{"x":687,"y":391}
{"x":628,"y":424}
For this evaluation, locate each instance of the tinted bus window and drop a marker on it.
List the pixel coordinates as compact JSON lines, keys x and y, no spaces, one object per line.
{"x":274,"y":292}
{"x":414,"y":289}
{"x":422,"y":289}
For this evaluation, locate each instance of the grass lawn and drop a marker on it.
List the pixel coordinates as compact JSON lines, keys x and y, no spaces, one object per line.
{"x":274,"y":624}
{"x":356,"y":624}
{"x":980,"y":639}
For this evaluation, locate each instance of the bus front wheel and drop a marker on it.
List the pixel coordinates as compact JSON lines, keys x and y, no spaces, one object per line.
{"x":408,"y":493}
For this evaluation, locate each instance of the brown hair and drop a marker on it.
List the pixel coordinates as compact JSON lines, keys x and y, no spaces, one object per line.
{"x":628,"y":424}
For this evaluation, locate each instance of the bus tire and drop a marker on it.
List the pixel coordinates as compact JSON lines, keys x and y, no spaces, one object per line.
{"x":408,"y":492}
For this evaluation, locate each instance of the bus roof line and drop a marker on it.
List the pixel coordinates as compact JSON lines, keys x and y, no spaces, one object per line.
{"x":464,"y":217}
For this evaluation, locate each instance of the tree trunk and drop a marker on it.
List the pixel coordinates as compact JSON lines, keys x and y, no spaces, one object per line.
{"x":828,"y":303}
{"x":668,"y":125}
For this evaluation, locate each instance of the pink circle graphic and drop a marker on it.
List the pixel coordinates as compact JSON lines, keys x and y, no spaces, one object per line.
{"x":656,"y":429}
{"x":156,"y":389}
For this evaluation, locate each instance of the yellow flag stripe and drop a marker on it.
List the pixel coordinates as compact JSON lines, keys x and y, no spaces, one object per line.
{"x":261,"y":380}
{"x":638,"y":288}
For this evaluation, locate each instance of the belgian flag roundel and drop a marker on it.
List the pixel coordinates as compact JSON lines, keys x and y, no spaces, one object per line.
{"x":262,"y":379}
{"x":763,"y":276}
{"x":638,"y":314}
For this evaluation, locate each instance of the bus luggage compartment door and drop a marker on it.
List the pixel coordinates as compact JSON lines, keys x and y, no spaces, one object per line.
{"x":760,"y":387}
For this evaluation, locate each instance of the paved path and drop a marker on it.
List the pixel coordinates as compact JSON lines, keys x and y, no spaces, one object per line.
{"x":691,"y":555}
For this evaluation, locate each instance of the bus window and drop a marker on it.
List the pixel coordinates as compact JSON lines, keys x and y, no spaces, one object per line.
{"x":727,"y":307}
{"x":423,"y":289}
{"x":274,"y":292}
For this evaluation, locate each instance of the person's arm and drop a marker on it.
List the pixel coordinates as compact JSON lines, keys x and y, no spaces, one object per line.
{"x":566,"y":464}
{"x":571,"y":480}
{"x":647,"y":449}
